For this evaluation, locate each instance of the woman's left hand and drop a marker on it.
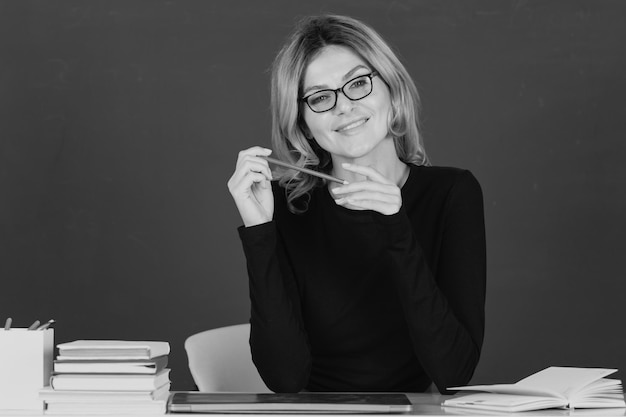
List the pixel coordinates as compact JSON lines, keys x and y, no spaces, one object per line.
{"x":375,"y":193}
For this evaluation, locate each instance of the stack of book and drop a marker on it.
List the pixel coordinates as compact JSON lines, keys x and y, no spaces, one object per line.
{"x":109,"y":377}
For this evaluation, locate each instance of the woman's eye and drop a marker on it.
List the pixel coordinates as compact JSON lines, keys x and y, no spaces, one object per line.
{"x":358,"y":83}
{"x":318,"y":98}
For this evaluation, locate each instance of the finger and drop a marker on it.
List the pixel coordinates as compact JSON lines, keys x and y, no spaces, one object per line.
{"x":247,"y":182}
{"x":252,"y":164}
{"x":374,"y":205}
{"x":355,"y":187}
{"x":368,"y":172}
{"x":347,"y":204}
{"x":256,"y":164}
{"x":375,"y":196}
{"x":252,"y":152}
{"x":244,"y":156}
{"x":255,"y":150}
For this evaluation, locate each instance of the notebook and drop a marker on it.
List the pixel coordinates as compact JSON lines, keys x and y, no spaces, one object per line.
{"x":345,"y":403}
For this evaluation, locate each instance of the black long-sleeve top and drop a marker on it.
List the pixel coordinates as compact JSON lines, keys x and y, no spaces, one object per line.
{"x":346,"y":300}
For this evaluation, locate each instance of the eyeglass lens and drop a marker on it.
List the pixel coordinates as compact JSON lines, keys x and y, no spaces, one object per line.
{"x":355,"y":89}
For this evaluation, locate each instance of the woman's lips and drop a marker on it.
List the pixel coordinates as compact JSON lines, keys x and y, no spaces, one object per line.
{"x":351,"y":125}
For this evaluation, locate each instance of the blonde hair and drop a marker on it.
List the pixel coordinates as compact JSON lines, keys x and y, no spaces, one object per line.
{"x":290,"y":139}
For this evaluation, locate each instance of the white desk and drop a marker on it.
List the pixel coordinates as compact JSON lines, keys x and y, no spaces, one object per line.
{"x":428,"y":404}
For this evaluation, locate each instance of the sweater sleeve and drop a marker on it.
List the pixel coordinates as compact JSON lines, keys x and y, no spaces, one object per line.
{"x":445,"y":313}
{"x":278,"y":342}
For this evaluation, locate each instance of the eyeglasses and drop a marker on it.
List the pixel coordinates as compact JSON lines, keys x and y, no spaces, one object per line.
{"x":355,"y":89}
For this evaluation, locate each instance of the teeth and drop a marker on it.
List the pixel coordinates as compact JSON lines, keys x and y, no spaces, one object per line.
{"x":353,"y":125}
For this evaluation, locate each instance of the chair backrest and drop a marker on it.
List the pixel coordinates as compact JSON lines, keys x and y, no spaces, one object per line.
{"x":220,"y":360}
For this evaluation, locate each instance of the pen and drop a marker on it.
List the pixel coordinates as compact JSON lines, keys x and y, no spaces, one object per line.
{"x":46,"y":325}
{"x":305,"y":170}
{"x":34,"y":325}
{"x":7,"y":324}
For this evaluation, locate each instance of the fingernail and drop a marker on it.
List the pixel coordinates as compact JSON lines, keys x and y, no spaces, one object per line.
{"x":345,"y":165}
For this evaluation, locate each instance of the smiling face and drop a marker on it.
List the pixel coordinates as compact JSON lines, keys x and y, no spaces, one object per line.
{"x":352,"y":129}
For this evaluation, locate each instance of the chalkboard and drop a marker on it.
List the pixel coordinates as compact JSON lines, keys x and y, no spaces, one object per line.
{"x":120,"y":122}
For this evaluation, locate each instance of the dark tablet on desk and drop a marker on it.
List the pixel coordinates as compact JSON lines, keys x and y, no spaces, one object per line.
{"x":201,"y":402}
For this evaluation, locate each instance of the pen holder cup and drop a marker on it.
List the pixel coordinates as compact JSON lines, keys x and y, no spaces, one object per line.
{"x":26,"y":358}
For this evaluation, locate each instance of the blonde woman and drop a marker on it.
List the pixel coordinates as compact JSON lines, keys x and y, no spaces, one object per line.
{"x":377,"y":284}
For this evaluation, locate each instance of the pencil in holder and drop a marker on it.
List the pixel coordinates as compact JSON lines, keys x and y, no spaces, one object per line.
{"x":26,"y":358}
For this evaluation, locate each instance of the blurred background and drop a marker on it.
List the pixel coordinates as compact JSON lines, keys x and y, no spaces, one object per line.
{"x":120,"y":123}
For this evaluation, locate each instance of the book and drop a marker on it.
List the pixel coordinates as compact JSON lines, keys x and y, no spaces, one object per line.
{"x":109,"y":366}
{"x":107,"y":408}
{"x":553,"y":387}
{"x":109,"y":382}
{"x":112,"y":349}
{"x":201,"y":402}
{"x":50,"y":395}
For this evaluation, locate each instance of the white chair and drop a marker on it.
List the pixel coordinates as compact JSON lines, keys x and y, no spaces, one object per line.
{"x":220,"y":360}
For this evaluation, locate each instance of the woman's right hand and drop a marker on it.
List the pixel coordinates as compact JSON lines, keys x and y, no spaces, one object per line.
{"x":250,"y":186}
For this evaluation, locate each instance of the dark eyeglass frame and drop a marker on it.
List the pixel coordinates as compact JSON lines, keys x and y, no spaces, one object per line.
{"x":336,"y":91}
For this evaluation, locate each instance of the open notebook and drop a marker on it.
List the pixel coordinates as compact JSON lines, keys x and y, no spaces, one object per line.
{"x":200,"y":402}
{"x":553,"y":387}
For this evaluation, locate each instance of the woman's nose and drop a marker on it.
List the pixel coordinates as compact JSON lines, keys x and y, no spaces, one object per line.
{"x":343,"y":104}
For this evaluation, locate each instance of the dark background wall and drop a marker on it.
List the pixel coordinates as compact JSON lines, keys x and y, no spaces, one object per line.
{"x":120,"y":122}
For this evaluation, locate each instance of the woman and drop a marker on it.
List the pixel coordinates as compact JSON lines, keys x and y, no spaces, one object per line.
{"x":377,"y":284}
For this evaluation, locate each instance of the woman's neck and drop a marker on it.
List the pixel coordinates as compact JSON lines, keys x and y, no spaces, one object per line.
{"x":387,"y":163}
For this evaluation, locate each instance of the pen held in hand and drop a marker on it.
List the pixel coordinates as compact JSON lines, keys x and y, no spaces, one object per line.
{"x":305,"y":170}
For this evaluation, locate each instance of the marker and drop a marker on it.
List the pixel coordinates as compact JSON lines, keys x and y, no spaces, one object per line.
{"x":305,"y":170}
{"x":7,"y":324}
{"x":46,"y":325}
{"x":34,"y":325}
